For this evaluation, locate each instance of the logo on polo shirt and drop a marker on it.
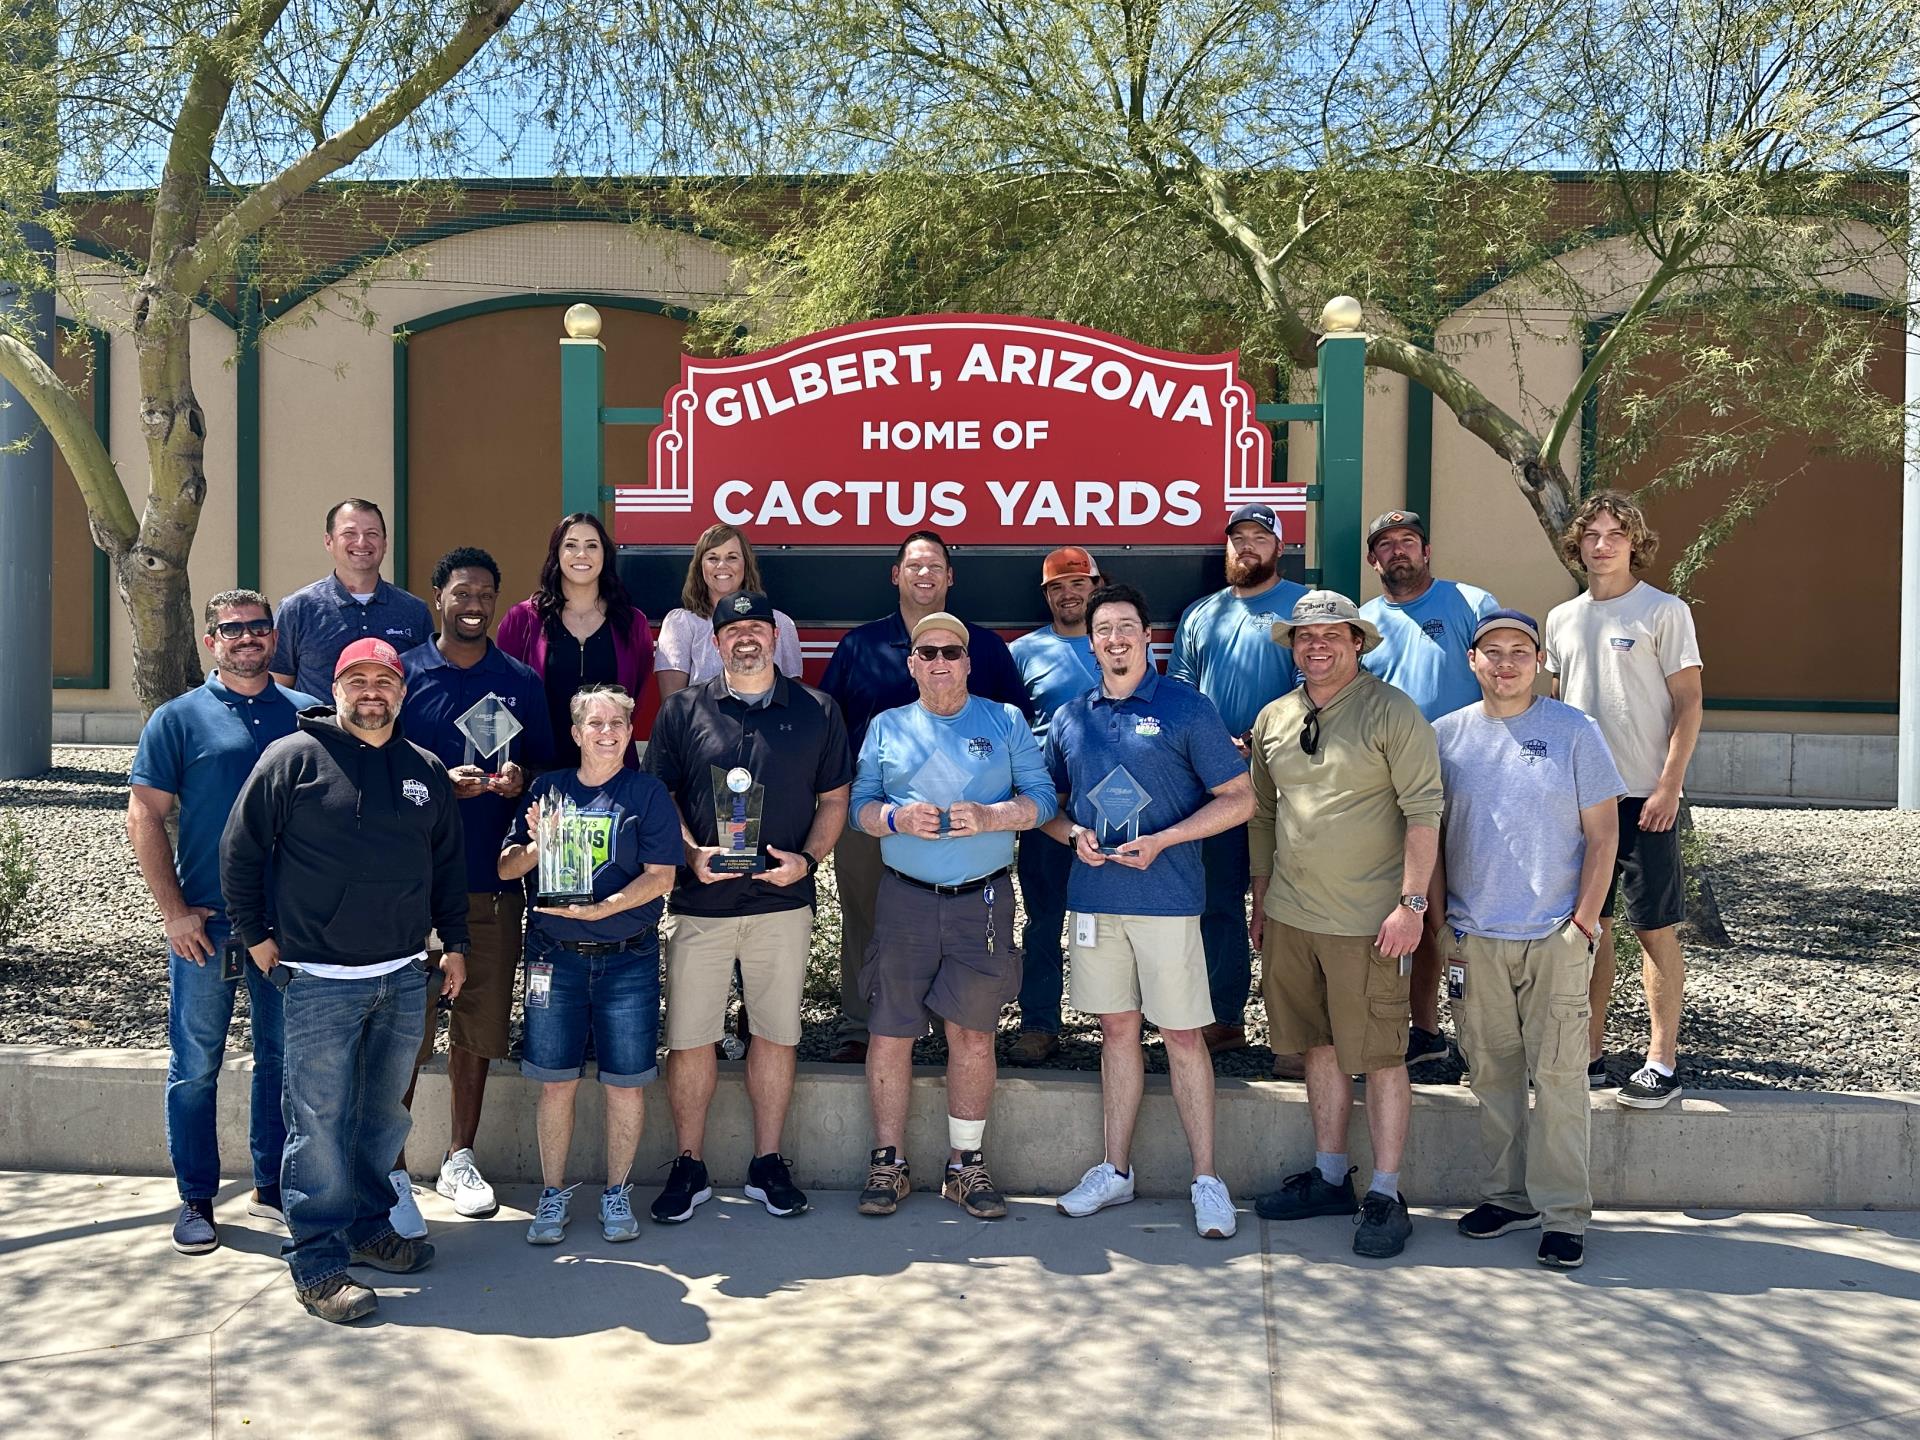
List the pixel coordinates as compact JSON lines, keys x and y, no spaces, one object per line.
{"x":401,"y":631}
{"x":980,"y":747}
{"x":1435,"y":629}
{"x":414,"y":790}
{"x":1147,"y":726}
{"x":1532,"y":752}
{"x":1621,"y":642}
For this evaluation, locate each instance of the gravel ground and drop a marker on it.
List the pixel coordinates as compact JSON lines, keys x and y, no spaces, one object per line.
{"x":1819,"y":987}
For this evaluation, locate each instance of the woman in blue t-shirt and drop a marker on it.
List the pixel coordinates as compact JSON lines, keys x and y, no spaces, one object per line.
{"x":593,"y":964}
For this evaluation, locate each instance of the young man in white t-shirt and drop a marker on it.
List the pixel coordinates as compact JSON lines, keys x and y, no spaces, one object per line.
{"x":1626,"y":654}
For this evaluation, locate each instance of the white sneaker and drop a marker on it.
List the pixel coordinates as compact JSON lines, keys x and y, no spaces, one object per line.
{"x":1098,"y":1188}
{"x":405,"y":1217}
{"x":1213,"y":1209}
{"x":461,"y":1182}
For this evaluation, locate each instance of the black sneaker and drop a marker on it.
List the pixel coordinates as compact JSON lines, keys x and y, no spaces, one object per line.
{"x":393,"y":1253}
{"x":1308,"y":1194}
{"x":1648,"y":1089}
{"x":770,"y":1182}
{"x":888,"y":1182}
{"x":1484,"y":1222}
{"x":193,"y":1232}
{"x":687,"y":1187}
{"x":1597,"y":1077}
{"x":1425,"y":1047}
{"x":1384,"y":1226}
{"x":1561,"y":1251}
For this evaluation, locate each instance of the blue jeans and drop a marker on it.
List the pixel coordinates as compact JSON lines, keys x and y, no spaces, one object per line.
{"x":1223,"y":924}
{"x":1044,"y":866}
{"x":199,"y":1010}
{"x":350,"y":1049}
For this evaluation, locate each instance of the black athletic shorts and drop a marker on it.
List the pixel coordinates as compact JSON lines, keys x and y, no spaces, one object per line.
{"x":1648,"y":867}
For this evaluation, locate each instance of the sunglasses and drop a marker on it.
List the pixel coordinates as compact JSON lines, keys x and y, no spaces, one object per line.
{"x":234,"y":629}
{"x":940,"y":652}
{"x":1310,"y":733}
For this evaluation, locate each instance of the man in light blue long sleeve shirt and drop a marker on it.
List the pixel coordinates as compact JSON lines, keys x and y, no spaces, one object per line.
{"x":944,"y":784}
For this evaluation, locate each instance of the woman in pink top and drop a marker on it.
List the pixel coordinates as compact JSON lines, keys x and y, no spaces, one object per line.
{"x":722,"y":564}
{"x":580,"y":628}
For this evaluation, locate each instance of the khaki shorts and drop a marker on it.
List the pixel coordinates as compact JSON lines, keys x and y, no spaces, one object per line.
{"x":1151,"y":963}
{"x":701,"y":951}
{"x":1334,"y":990}
{"x":480,"y":1017}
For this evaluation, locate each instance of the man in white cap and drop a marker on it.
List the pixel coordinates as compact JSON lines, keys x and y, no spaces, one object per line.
{"x":1346,"y":788}
{"x":1057,"y":663}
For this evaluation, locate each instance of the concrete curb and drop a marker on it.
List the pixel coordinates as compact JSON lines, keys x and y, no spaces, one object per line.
{"x":102,"y":1111}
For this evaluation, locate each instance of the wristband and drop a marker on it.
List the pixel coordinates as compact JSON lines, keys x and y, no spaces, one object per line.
{"x":891,"y":828}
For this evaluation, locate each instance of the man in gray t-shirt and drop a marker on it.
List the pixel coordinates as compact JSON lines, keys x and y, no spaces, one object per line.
{"x":1527,"y":853}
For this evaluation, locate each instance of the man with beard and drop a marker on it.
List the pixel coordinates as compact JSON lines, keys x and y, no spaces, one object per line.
{"x":868,"y":675}
{"x":349,"y":603}
{"x":360,"y":835}
{"x":1057,"y":663}
{"x":1426,"y":627}
{"x":199,"y":749}
{"x":446,"y":677}
{"x":1223,"y":647}
{"x":749,"y":736}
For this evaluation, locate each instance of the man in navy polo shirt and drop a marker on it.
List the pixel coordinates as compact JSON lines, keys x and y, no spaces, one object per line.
{"x":199,"y":749}
{"x":1145,"y":769}
{"x":867,"y":676}
{"x":446,"y":678}
{"x":320,"y":620}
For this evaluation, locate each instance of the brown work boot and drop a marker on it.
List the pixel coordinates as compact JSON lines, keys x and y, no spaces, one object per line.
{"x":339,"y":1298}
{"x":851,"y":1052}
{"x":393,"y":1253}
{"x":1034,"y":1047}
{"x":887,"y":1182}
{"x":1289,"y":1067}
{"x":972,"y":1189}
{"x":1224,"y":1038}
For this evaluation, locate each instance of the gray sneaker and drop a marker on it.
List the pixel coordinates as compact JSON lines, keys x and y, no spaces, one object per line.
{"x":616,"y":1214}
{"x":550,"y":1216}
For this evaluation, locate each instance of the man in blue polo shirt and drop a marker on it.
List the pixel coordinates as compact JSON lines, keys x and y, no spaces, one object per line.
{"x":942,"y":784}
{"x":1224,"y":648}
{"x":199,"y":749}
{"x":1151,"y":771}
{"x":1426,"y":628}
{"x":320,"y":620}
{"x":1057,"y":663}
{"x":446,"y":678}
{"x":868,"y":675}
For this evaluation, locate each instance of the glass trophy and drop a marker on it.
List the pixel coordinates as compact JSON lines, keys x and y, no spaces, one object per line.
{"x":1118,"y":802}
{"x":939,"y":782}
{"x":563,"y":844}
{"x":737,"y":803}
{"x":488,"y":727}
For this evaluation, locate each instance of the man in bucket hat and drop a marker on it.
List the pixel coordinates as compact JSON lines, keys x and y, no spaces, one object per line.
{"x":1346,"y":786}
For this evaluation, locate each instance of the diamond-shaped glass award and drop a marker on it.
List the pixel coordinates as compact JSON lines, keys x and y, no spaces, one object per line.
{"x":1118,"y":802}
{"x":940,"y":781}
{"x":488,"y":726}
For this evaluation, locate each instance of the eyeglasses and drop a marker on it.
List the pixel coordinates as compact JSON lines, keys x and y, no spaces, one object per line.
{"x":234,"y":629}
{"x":1119,"y":630}
{"x":1310,"y":733}
{"x":940,"y":652}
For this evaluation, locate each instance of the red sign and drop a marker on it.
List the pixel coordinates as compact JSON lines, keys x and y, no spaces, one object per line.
{"x":992,"y":429}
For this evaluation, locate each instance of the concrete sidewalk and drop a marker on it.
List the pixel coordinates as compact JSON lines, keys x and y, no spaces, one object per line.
{"x":831,"y":1325}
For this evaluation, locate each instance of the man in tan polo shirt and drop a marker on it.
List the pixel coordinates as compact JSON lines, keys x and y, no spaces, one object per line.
{"x":1345,"y":828}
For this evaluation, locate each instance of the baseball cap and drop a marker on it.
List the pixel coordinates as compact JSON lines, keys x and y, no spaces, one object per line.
{"x":370,"y":650}
{"x":1261,"y":515}
{"x":1509,"y":620}
{"x":742,"y":605}
{"x":1068,"y":560}
{"x":940,"y":620}
{"x":1325,"y":607}
{"x":1394,"y":519}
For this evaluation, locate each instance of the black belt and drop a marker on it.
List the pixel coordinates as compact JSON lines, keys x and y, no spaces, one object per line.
{"x":591,"y":948}
{"x":966,"y":887}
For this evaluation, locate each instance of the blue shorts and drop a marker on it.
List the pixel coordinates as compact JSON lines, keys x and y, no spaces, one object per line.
{"x":617,"y":997}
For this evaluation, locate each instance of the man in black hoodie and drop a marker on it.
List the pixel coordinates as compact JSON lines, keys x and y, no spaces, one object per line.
{"x":358,"y":833}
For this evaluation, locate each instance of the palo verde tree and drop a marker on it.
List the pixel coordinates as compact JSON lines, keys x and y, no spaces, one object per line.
{"x":1189,"y":170}
{"x":219,"y":117}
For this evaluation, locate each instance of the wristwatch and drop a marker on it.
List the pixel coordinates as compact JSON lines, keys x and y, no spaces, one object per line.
{"x":813,"y":862}
{"x":1416,"y":903}
{"x":1073,"y":834}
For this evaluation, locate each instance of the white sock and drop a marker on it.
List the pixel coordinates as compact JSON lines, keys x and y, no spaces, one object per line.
{"x":1659,"y":1069}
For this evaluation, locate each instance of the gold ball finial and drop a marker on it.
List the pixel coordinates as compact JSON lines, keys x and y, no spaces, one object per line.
{"x":1341,"y":315}
{"x":582,"y":322}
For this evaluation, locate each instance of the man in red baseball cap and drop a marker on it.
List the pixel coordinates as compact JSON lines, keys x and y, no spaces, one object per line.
{"x":367,"y":856}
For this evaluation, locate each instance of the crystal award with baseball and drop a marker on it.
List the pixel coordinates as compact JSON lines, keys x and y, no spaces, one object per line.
{"x":940,"y":782}
{"x":488,"y":726}
{"x":737,"y":804}
{"x":1118,"y":802}
{"x":563,"y":844}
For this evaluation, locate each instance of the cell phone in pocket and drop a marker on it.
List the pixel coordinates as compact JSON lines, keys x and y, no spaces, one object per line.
{"x":233,"y":958}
